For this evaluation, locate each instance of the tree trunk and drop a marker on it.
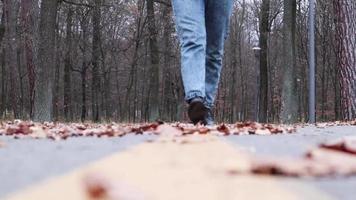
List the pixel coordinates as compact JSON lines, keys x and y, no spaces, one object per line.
{"x":167,"y":79}
{"x":84,"y":95}
{"x":11,"y":52}
{"x":345,"y":13}
{"x":289,"y":110}
{"x":264,"y":31}
{"x":27,"y":45}
{"x":67,"y":68}
{"x":3,"y":67}
{"x":154,"y":70}
{"x":43,"y":106}
{"x":3,"y":86}
{"x":84,"y":68}
{"x":95,"y":60}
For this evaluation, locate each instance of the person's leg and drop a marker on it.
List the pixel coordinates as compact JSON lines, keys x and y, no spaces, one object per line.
{"x":217,"y":24}
{"x":190,"y":25}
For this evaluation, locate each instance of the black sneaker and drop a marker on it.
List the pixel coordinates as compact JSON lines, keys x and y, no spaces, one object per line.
{"x":209,"y":118}
{"x":197,"y":111}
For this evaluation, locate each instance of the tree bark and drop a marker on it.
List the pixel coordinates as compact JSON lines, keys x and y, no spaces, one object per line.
{"x":27,"y":45}
{"x":11,"y":52}
{"x":95,"y":60}
{"x":264,"y":31}
{"x":345,"y":13}
{"x":3,"y":67}
{"x":43,"y":107}
{"x":84,"y":66}
{"x":67,"y":68}
{"x":289,"y":110}
{"x":154,"y":69}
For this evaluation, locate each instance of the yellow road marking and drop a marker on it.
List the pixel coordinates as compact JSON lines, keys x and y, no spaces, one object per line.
{"x":171,"y":171}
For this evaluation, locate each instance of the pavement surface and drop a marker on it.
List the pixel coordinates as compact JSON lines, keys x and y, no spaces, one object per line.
{"x":26,"y":162}
{"x":296,"y":145}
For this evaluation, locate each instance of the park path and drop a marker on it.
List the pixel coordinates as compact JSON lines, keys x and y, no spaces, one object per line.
{"x":194,"y":168}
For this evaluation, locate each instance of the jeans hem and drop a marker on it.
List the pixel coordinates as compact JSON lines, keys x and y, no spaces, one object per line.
{"x":194,"y":94}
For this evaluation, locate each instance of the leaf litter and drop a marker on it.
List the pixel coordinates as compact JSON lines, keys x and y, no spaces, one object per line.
{"x":62,"y":131}
{"x":332,"y":158}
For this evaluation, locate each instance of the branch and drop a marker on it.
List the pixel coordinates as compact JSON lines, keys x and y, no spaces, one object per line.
{"x":78,"y":4}
{"x":166,"y":3}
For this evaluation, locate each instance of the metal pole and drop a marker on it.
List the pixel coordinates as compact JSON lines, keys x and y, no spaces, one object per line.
{"x":311,"y":50}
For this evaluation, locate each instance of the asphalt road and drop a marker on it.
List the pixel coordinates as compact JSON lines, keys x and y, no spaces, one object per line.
{"x":296,"y":145}
{"x":27,"y":161}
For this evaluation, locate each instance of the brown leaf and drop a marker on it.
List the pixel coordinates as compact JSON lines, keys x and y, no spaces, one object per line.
{"x":290,"y":167}
{"x":274,"y":128}
{"x":38,"y":132}
{"x":347,"y":144}
{"x":18,"y":128}
{"x":340,"y":163}
{"x":204,"y":130}
{"x":100,"y":187}
{"x":168,"y":130}
{"x":144,"y":128}
{"x":224,"y":129}
{"x":97,"y":186}
{"x":291,"y":129}
{"x":243,"y":124}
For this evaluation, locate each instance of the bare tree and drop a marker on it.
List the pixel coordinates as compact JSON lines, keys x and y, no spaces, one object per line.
{"x":43,"y":107}
{"x":11,"y":53}
{"x":68,"y":68}
{"x":27,"y":45}
{"x":345,"y":13}
{"x":289,"y":111}
{"x":95,"y":59}
{"x":154,"y":68}
{"x":264,"y":31}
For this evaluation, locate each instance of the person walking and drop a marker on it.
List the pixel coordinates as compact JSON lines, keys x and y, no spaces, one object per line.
{"x":202,"y":27}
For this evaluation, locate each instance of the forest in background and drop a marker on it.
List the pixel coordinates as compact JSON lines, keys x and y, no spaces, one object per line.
{"x":103,"y":60}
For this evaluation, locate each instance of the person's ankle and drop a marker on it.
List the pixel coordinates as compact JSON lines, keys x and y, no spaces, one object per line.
{"x":196,"y":99}
{"x":209,"y":118}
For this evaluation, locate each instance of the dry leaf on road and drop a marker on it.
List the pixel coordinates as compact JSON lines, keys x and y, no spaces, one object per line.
{"x":99,"y":187}
{"x":290,"y":167}
{"x":340,"y":163}
{"x":346,"y":144}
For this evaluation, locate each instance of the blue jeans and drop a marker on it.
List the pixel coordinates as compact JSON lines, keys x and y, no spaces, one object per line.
{"x":202,"y":27}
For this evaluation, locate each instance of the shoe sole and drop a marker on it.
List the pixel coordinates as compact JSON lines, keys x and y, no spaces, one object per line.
{"x":197,"y":112}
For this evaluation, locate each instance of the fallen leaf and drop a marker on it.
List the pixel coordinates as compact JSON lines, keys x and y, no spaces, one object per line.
{"x":168,"y":130}
{"x":18,"y":128}
{"x":346,"y":144}
{"x":99,"y":187}
{"x":147,"y":127}
{"x":38,"y":132}
{"x":340,"y":163}
{"x":290,"y":167}
{"x":224,"y":129}
{"x":263,"y":132}
{"x":204,"y":130}
{"x":321,"y":125}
